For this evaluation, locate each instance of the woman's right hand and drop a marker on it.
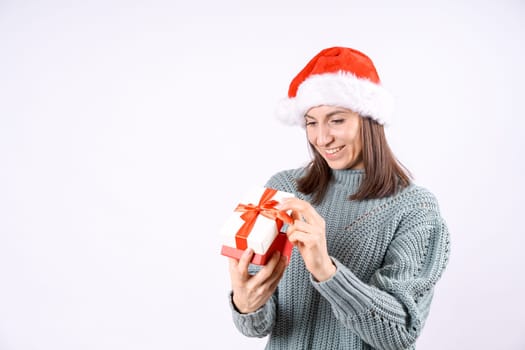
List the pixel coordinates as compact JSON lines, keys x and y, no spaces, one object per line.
{"x":250,"y":292}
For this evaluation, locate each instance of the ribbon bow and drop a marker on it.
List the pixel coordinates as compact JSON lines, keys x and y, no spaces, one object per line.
{"x":266,"y":208}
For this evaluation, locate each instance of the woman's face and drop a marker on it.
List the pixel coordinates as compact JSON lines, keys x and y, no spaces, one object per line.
{"x":335,"y":133}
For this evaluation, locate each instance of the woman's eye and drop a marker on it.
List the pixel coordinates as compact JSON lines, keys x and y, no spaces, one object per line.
{"x":310,"y":123}
{"x":338,"y":121}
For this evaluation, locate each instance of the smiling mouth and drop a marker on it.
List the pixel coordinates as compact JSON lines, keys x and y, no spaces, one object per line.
{"x":333,"y":151}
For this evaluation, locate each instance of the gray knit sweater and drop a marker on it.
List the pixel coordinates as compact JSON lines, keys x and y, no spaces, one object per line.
{"x":389,"y":254}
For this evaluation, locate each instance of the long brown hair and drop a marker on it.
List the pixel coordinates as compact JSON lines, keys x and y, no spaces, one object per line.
{"x":384,"y":174}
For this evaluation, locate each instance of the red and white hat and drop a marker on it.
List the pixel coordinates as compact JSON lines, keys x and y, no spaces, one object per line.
{"x":337,"y":76}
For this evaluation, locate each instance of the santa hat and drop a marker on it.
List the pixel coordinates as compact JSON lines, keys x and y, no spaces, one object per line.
{"x":337,"y":76}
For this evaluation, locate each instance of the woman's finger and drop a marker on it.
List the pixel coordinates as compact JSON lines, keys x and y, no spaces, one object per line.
{"x":300,"y":237}
{"x":302,"y":226}
{"x":240,"y":267}
{"x":301,"y":210}
{"x":267,"y":271}
{"x":277,"y":274}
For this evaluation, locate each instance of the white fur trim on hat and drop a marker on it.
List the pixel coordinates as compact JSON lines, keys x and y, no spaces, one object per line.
{"x":340,"y":89}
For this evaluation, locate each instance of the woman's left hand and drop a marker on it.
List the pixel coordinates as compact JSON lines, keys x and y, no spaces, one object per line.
{"x":308,"y":234}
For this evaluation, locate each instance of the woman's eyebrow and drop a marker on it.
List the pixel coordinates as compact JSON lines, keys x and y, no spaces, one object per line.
{"x":338,"y":111}
{"x":328,"y":115}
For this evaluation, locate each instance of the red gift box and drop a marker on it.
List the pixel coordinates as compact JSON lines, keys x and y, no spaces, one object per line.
{"x":257,"y":226}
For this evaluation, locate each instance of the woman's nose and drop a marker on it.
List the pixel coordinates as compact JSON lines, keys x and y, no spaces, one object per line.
{"x":324,"y":136}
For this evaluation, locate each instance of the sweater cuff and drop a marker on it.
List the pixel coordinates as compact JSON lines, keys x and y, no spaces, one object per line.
{"x":344,"y":290}
{"x":255,"y":324}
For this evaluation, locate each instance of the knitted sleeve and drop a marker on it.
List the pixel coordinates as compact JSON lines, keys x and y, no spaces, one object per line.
{"x":388,"y":312}
{"x":258,"y":323}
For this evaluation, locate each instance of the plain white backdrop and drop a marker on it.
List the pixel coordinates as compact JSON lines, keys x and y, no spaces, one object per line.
{"x":129,"y":129}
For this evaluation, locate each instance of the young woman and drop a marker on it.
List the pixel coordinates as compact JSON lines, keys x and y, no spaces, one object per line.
{"x":369,"y":244}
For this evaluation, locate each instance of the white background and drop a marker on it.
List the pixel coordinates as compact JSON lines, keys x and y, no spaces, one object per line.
{"x":129,"y":129}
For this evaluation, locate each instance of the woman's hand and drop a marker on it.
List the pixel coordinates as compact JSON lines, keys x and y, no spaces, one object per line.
{"x":250,"y":292}
{"x":308,"y":234}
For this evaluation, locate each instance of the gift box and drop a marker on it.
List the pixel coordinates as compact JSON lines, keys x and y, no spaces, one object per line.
{"x":257,"y":224}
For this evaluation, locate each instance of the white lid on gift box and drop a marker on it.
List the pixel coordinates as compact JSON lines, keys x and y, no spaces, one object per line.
{"x":263,"y":232}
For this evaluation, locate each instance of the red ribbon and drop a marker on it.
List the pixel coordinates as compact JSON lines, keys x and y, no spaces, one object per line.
{"x":266,"y":208}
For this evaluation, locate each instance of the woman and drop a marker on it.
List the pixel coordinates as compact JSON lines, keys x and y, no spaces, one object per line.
{"x":369,"y":244}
